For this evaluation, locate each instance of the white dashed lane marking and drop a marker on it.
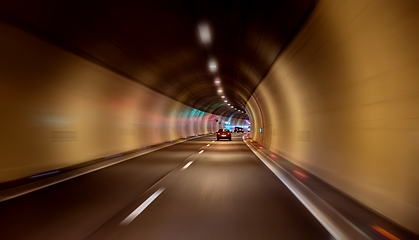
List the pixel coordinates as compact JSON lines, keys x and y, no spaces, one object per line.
{"x":141,"y":208}
{"x":187,"y":165}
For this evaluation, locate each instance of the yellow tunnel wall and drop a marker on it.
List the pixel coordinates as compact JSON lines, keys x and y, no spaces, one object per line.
{"x":58,"y":109}
{"x":342,"y":101}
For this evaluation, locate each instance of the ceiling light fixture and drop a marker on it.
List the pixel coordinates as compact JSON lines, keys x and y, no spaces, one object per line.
{"x":212,"y":65}
{"x":204,"y":33}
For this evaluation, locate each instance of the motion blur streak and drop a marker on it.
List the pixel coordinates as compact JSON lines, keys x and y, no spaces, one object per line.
{"x":96,"y":112}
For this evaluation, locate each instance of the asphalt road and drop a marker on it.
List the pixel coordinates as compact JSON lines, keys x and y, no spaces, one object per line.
{"x":193,"y":191}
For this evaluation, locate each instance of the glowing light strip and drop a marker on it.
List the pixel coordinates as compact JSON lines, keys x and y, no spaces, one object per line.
{"x":44,"y":174}
{"x":384,"y":232}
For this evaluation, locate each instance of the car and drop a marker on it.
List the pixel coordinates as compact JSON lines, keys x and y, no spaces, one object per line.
{"x":240,"y":130}
{"x":223,"y":134}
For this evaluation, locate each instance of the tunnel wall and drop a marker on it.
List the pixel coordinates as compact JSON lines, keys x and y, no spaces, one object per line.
{"x":342,"y":101}
{"x":58,"y":109}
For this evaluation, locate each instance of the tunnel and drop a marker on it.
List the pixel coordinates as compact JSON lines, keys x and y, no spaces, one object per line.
{"x":110,"y":112}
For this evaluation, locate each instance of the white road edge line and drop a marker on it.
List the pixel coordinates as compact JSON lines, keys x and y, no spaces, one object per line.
{"x":201,"y":151}
{"x":141,"y":208}
{"x":311,"y":207}
{"x":187,"y":165}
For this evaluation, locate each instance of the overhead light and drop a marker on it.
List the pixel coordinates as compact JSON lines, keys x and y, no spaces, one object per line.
{"x":220,"y":90}
{"x":232,"y":106}
{"x":223,"y":96}
{"x":225,"y":100}
{"x":212,"y":66}
{"x":217,"y":81}
{"x":229,"y":104}
{"x":204,"y":33}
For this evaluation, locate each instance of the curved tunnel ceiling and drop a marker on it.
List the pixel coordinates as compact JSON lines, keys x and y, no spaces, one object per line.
{"x":158,"y":44}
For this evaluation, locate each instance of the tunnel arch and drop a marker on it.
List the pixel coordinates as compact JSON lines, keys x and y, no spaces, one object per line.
{"x":331,"y":86}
